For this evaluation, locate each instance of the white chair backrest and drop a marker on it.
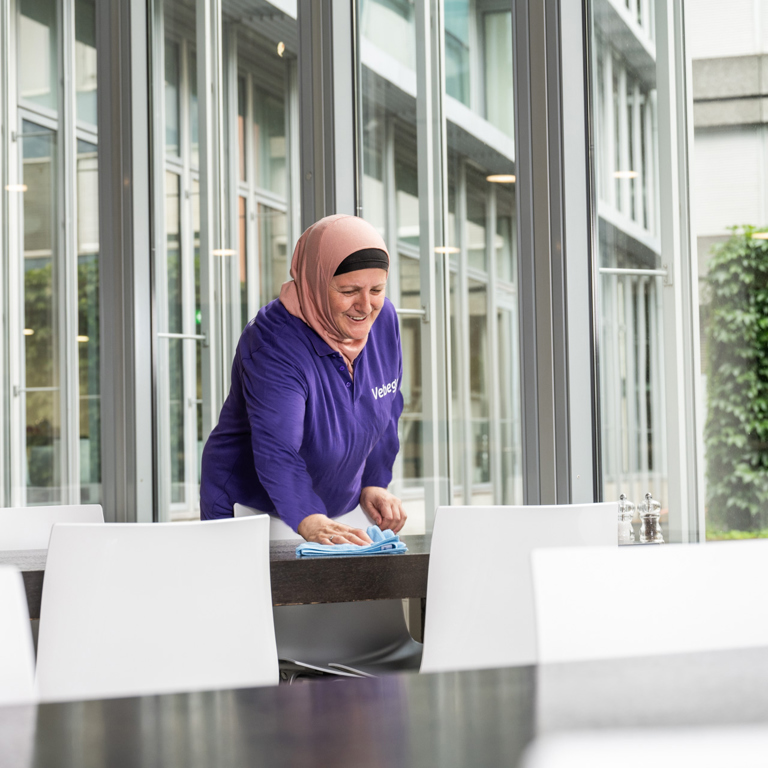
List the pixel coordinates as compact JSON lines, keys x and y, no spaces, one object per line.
{"x":131,"y":609}
{"x":17,"y":654}
{"x":479,"y":595}
{"x":30,"y":527}
{"x":650,"y":600}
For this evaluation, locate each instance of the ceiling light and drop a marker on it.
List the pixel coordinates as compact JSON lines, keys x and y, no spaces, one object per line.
{"x":224,"y":252}
{"x":760,"y":235}
{"x":16,"y":188}
{"x":501,"y":178}
{"x":447,"y":249}
{"x":625,"y":174}
{"x":82,"y":339}
{"x":280,"y":49}
{"x":29,"y":332}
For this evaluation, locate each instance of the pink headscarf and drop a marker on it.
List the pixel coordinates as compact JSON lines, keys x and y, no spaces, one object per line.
{"x":317,"y":256}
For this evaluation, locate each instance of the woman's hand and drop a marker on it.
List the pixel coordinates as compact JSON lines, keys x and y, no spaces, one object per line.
{"x":384,"y":508}
{"x":322,"y":530}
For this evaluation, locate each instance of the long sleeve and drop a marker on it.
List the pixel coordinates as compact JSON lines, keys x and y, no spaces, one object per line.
{"x":276,"y":396}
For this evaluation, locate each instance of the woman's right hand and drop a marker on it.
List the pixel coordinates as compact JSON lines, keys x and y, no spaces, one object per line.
{"x":321,"y":529}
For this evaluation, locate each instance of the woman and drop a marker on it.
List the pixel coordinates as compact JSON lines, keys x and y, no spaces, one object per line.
{"x":309,"y":428}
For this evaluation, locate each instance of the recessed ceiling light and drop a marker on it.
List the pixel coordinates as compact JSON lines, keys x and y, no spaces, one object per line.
{"x":29,"y":332}
{"x":82,"y":339}
{"x":447,"y":249}
{"x":501,"y":178}
{"x":16,"y":188}
{"x":625,"y":174}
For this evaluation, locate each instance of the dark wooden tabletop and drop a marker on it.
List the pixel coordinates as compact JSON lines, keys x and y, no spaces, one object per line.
{"x":451,"y":720}
{"x":296,"y":580}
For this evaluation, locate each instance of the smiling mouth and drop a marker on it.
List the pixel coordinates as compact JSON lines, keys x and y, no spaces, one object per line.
{"x":357,"y":319}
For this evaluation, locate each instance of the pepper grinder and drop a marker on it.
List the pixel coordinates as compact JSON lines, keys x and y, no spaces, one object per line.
{"x":650,"y":527}
{"x":626,"y":513}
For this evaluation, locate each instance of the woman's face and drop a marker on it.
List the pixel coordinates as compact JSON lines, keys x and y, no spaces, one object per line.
{"x":356,"y":299}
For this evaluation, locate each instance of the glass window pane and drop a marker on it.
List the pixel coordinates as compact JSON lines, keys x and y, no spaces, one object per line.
{"x":632,"y":399}
{"x":41,"y":325}
{"x":498,"y":71}
{"x":269,"y":141}
{"x":479,"y":383}
{"x":242,"y":260}
{"x":457,"y":29}
{"x":388,"y":27}
{"x":88,"y":343}
{"x":411,"y":448}
{"x":175,"y":373}
{"x":477,"y":191}
{"x":38,"y":52}
{"x":85,"y":60}
{"x":172,"y":77}
{"x":273,"y":245}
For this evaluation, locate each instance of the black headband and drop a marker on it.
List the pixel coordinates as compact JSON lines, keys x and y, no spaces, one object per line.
{"x":367,"y":258}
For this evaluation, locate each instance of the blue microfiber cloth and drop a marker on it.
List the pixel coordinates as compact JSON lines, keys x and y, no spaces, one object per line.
{"x":384,"y":543}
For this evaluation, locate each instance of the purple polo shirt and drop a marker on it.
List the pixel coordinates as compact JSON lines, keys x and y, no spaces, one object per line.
{"x":296,"y":435}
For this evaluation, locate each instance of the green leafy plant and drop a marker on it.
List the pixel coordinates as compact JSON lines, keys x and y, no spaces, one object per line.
{"x":736,"y":432}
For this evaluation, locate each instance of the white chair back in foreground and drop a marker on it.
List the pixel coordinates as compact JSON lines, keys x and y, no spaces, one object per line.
{"x":30,"y":527}
{"x":650,"y":600}
{"x":132,"y":609}
{"x":17,"y":654}
{"x":479,"y":594}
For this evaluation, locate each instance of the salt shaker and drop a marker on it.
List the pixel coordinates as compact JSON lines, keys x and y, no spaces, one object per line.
{"x":650,"y":527}
{"x":626,"y":513}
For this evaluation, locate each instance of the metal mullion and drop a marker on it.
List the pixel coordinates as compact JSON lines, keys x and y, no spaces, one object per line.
{"x":609,"y":151}
{"x":187,"y":264}
{"x":160,"y":166}
{"x":70,"y":379}
{"x":642,"y":362}
{"x":462,"y":325}
{"x":294,"y":151}
{"x":10,"y":338}
{"x":432,"y":172}
{"x":612,"y":394}
{"x":251,"y":205}
{"x":650,"y":176}
{"x":636,"y":134}
{"x":390,"y":197}
{"x":632,"y":388}
{"x":229,"y":188}
{"x":623,"y":118}
{"x":494,"y":404}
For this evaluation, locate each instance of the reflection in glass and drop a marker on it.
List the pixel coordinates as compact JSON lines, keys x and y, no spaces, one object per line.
{"x":243,"y":260}
{"x":269,"y":140}
{"x":511,"y":479}
{"x":410,"y":334}
{"x":195,"y":200}
{"x":41,"y":327}
{"x":407,"y":187}
{"x":194,"y":127}
{"x":88,"y":321}
{"x":479,"y":381}
{"x":374,"y":195}
{"x":498,"y":71}
{"x":172,"y":83}
{"x":241,"y":117}
{"x":457,"y":26}
{"x":631,"y":342}
{"x":85,"y":60}
{"x":505,"y":241}
{"x":457,"y":435}
{"x":273,"y":245}
{"x":175,"y":346}
{"x":389,"y":26}
{"x":477,"y":252}
{"x":38,"y":52}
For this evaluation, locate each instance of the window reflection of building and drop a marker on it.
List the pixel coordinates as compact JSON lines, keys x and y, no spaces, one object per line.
{"x":53,"y":452}
{"x":630,"y":263}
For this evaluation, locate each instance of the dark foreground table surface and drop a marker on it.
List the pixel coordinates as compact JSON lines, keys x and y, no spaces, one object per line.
{"x":296,"y":580}
{"x":452,"y":720}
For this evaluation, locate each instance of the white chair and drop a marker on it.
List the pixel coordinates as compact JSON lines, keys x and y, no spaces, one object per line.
{"x":30,"y":527}
{"x":361,"y":639}
{"x":17,"y":654}
{"x":132,"y":609}
{"x":650,"y":600}
{"x":479,"y":594}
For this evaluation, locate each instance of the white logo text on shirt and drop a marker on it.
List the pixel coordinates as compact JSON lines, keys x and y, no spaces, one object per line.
{"x":384,"y":390}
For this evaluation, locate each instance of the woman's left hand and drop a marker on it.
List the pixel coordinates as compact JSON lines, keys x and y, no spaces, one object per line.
{"x":384,"y":508}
